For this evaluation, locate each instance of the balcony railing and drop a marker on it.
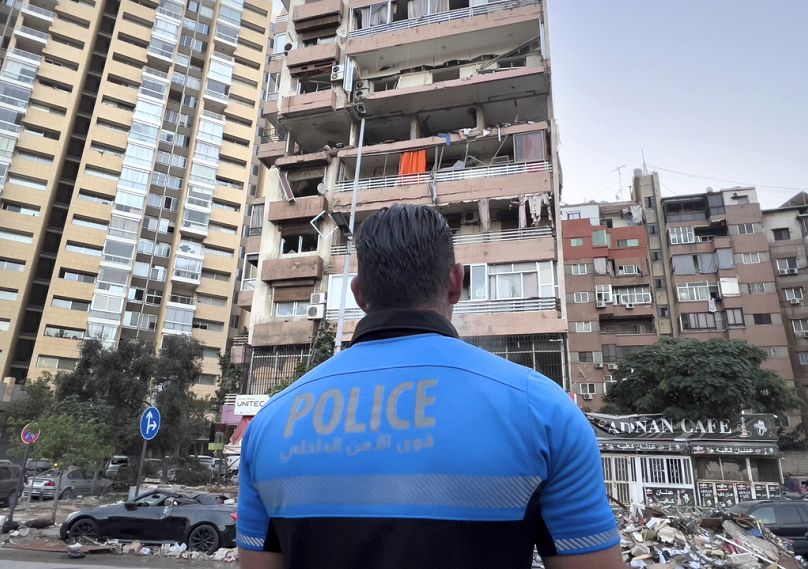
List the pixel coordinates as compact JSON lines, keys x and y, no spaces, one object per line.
{"x":442,"y":17}
{"x":28,"y":7}
{"x":474,"y":307}
{"x":32,"y":32}
{"x":26,"y":55}
{"x":489,"y":237}
{"x":181,"y":299}
{"x":273,"y":138}
{"x":513,"y":305}
{"x":445,"y":176}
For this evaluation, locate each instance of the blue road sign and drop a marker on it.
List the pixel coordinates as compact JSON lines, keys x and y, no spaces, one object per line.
{"x":150,"y":423}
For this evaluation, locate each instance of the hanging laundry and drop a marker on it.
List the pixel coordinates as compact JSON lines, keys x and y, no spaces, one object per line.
{"x":711,"y":305}
{"x":413,"y":162}
{"x":446,"y":137}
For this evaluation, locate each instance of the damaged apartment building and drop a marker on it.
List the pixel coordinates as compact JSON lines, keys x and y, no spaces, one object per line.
{"x":699,"y":266}
{"x":456,"y":105}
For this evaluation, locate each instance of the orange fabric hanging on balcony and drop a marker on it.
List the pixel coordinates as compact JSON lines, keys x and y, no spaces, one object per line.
{"x":413,"y":162}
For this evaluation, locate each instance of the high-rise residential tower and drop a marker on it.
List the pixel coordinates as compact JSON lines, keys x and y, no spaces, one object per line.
{"x":127,"y":131}
{"x":455,"y":100}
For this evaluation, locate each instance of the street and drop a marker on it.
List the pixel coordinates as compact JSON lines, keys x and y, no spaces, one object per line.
{"x":11,"y":559}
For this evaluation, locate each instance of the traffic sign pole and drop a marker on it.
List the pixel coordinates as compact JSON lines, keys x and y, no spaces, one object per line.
{"x":149,"y":427}
{"x":140,"y":468}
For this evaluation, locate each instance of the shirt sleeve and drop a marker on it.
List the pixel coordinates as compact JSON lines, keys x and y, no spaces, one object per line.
{"x":252,"y":526}
{"x":574,"y":513}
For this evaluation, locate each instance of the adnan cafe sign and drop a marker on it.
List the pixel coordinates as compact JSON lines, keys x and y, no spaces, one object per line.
{"x":753,"y":434}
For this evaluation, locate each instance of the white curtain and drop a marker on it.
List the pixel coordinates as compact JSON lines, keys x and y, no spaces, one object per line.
{"x":374,"y":15}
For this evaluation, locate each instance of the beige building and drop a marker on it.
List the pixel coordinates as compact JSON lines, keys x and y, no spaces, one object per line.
{"x":126,"y":166}
{"x":786,"y":228}
{"x":457,"y":110}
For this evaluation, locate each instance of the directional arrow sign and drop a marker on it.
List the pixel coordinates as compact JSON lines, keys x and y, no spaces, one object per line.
{"x":150,"y":423}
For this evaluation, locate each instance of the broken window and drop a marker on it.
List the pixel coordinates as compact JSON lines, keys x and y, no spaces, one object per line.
{"x":298,"y":240}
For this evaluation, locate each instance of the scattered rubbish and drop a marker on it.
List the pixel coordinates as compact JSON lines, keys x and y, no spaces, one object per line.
{"x":133,"y":547}
{"x":693,"y":538}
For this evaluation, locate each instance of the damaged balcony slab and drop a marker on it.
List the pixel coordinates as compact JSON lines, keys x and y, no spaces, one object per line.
{"x":283,"y":332}
{"x":302,"y":208}
{"x":291,"y":268}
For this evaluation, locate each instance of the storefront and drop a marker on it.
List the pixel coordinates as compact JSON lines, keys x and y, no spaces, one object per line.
{"x":650,"y":458}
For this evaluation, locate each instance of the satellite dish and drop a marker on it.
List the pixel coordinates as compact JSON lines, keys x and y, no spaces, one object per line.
{"x":321,"y":189}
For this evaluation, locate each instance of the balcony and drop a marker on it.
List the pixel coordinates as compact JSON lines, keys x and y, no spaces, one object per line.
{"x":310,"y":58}
{"x":451,"y":185}
{"x":280,"y":332}
{"x":244,"y":299}
{"x":187,"y":277}
{"x":478,"y":241}
{"x":440,"y":18}
{"x":297,"y":267}
{"x":318,"y":15}
{"x":27,"y":36}
{"x":324,"y":101}
{"x":302,"y":208}
{"x":272,"y":147}
{"x":37,"y":14}
{"x":492,"y":28}
{"x":493,"y":83}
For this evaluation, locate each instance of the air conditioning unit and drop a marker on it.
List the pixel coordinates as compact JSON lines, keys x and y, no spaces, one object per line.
{"x":793,"y":271}
{"x":587,"y":396}
{"x":629,"y":305}
{"x":608,"y":378}
{"x":365,"y":85}
{"x":315,"y":312}
{"x":612,"y":367}
{"x":471,"y":217}
{"x":317,"y":298}
{"x":598,"y":365}
{"x":601,"y":304}
{"x":337,"y":72}
{"x":804,"y":334}
{"x":794,"y":300}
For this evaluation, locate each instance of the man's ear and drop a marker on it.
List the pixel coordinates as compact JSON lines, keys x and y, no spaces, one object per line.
{"x":357,"y":293}
{"x":456,"y":274}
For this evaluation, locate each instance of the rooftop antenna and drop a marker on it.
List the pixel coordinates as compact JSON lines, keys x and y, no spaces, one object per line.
{"x":644,"y":165}
{"x":619,"y":171}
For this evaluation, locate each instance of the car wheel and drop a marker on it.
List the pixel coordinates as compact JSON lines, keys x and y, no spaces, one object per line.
{"x":67,"y":494}
{"x":204,"y":538}
{"x":83,"y":529}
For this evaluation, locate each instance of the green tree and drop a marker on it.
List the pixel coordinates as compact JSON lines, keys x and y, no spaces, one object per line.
{"x":682,"y":377}
{"x":183,"y":413}
{"x":113,"y":381}
{"x":232,"y":381}
{"x":36,"y":401}
{"x":69,"y":438}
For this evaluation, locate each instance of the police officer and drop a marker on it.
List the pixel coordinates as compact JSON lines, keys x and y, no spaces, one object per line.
{"x":413,"y":449}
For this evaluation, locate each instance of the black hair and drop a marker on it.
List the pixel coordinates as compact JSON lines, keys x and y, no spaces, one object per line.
{"x":405,"y":254}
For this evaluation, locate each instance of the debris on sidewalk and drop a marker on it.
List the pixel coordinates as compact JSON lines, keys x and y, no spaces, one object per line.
{"x":657,"y":538}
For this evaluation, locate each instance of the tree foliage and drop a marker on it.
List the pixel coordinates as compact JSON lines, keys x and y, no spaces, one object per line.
{"x":682,"y":377}
{"x":113,"y":381}
{"x":232,"y":380}
{"x":183,"y":413}
{"x":103,"y":398}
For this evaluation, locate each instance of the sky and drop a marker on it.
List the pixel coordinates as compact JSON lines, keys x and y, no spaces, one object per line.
{"x":715,"y":92}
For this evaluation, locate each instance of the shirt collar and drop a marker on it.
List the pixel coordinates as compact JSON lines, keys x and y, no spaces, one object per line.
{"x":401,"y":322}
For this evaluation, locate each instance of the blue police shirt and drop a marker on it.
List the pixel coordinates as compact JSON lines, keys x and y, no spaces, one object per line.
{"x":419,"y":450}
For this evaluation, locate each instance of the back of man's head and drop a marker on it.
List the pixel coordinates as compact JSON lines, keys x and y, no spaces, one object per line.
{"x":405,"y":256}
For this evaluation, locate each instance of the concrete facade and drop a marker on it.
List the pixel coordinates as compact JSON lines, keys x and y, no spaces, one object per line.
{"x":467,"y":89}
{"x":130,"y":129}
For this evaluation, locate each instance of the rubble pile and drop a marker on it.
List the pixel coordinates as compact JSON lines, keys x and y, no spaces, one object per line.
{"x":656,"y":538}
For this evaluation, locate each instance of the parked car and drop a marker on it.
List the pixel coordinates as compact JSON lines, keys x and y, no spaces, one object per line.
{"x":9,"y":481}
{"x":116,"y":465}
{"x":202,"y":521}
{"x":785,"y":518}
{"x":75,"y":482}
{"x":34,"y":467}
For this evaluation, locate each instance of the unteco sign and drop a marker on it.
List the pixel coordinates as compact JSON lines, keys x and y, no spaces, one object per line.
{"x":249,"y":405}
